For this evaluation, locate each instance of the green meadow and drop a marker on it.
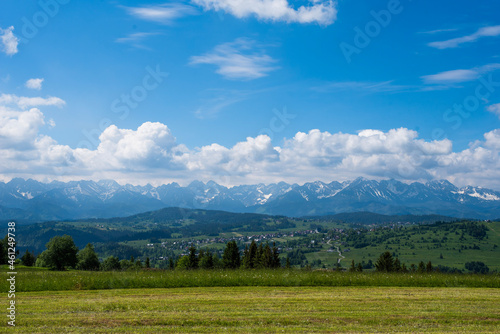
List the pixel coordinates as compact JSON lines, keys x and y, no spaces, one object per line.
{"x":260,"y":310}
{"x":29,"y":279}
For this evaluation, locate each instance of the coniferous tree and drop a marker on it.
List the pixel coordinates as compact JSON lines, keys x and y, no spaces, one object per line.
{"x":147,"y":264}
{"x":276,"y":263}
{"x":28,"y":259}
{"x":397,"y":265}
{"x":252,"y":255}
{"x":421,"y":267}
{"x":385,"y":262}
{"x":206,"y":260}
{"x":231,"y":256}
{"x":193,"y":259}
{"x":360,"y":267}
{"x":259,"y":257}
{"x":267,"y":257}
{"x":428,"y":267}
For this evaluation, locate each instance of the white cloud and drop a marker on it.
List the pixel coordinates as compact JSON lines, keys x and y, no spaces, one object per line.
{"x":163,"y":14}
{"x":26,"y":102}
{"x":323,"y":12}
{"x":34,"y":83}
{"x":237,"y":61}
{"x":19,"y":129}
{"x":151,"y":153}
{"x":9,"y":41}
{"x":460,"y":75}
{"x":494,"y":108}
{"x":490,"y":31}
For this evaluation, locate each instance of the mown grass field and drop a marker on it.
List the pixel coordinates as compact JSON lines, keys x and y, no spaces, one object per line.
{"x":260,"y":310}
{"x":35,"y":279}
{"x":433,"y":244}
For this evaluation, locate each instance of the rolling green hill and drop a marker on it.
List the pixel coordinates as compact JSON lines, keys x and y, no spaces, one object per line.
{"x":315,"y":242}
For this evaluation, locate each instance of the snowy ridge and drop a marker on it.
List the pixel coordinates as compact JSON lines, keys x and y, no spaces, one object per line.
{"x":107,"y":198}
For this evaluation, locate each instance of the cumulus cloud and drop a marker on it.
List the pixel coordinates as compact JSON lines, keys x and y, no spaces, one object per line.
{"x":150,"y":145}
{"x":322,"y":12}
{"x":164,"y":14}
{"x":237,"y":60}
{"x":34,"y":84}
{"x":19,"y":129}
{"x":9,"y":41}
{"x":491,"y":31}
{"x":151,"y":153}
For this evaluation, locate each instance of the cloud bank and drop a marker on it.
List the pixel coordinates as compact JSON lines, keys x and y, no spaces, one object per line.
{"x":151,"y":153}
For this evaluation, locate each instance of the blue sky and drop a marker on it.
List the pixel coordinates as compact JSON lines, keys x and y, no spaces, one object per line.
{"x":250,"y":91}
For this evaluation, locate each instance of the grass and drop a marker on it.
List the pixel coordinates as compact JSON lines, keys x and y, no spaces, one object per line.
{"x":45,"y":280}
{"x":260,"y":310}
{"x":425,"y":249}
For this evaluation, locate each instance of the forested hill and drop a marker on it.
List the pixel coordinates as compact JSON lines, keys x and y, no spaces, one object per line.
{"x":174,"y":216}
{"x":364,"y":218}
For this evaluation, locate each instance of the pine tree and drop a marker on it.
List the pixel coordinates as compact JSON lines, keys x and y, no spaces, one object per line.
{"x":385,"y":263}
{"x":267,"y":257}
{"x":147,"y":264}
{"x":231,"y":256}
{"x":421,"y":267}
{"x":28,"y":259}
{"x":360,"y":267}
{"x":193,"y":259}
{"x":276,"y":263}
{"x":259,"y":257}
{"x":429,"y":267}
{"x":250,"y":259}
{"x":397,"y":265}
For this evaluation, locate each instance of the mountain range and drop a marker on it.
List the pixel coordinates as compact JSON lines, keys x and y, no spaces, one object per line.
{"x":33,"y":201}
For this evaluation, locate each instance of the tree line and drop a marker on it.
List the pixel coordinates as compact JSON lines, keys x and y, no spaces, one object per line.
{"x":388,"y":263}
{"x":62,"y":253}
